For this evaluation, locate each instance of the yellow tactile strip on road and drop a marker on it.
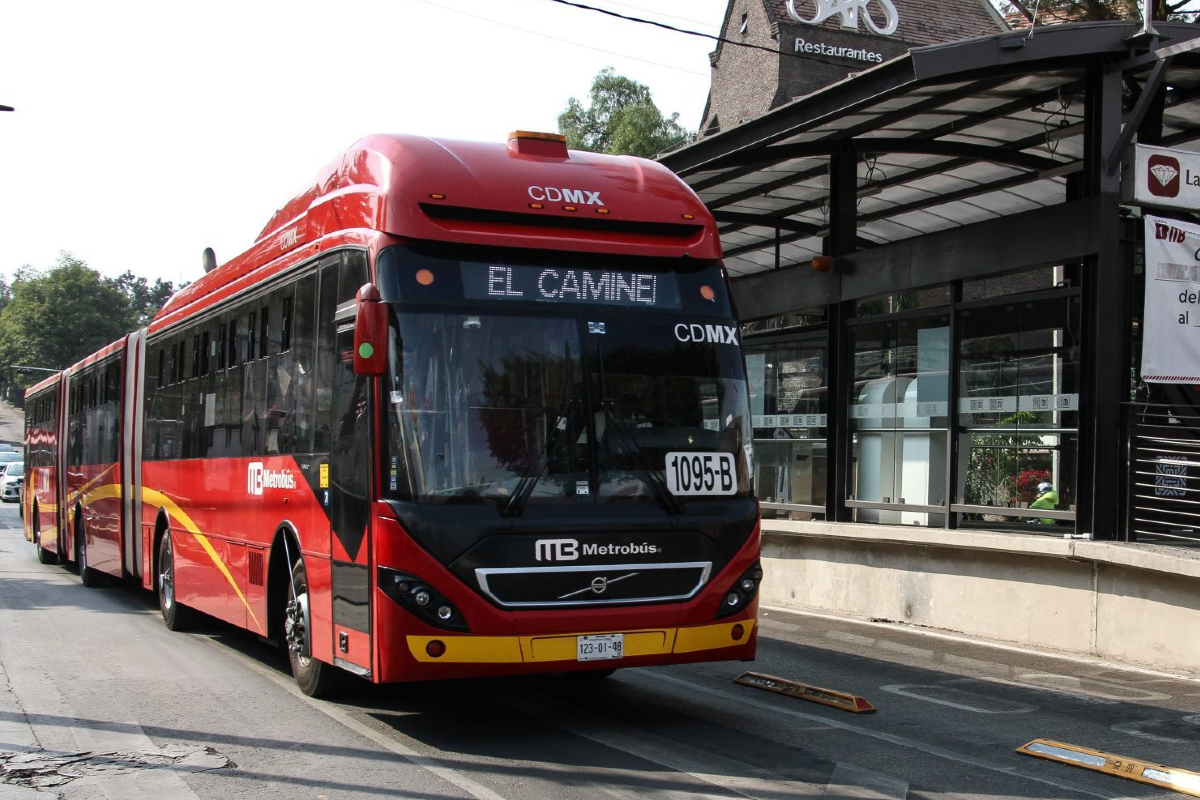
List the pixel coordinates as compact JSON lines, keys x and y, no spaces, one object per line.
{"x":1132,"y":769}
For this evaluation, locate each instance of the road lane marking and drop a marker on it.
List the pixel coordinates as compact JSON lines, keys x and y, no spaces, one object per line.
{"x":415,"y":757}
{"x":1036,"y":687}
{"x":910,"y":690}
{"x":729,"y":774}
{"x":1135,"y":729}
{"x":742,"y":700}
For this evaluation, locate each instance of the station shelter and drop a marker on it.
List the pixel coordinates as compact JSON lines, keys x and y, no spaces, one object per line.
{"x":941,"y":285}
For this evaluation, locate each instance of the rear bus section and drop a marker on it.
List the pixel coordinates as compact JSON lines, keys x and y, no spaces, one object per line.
{"x":40,"y":497}
{"x":97,"y":444}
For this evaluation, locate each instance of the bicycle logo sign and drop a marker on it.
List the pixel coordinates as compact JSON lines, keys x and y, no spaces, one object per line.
{"x":851,"y":10}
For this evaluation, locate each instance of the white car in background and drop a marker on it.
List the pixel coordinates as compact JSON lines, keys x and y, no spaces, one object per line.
{"x":12,"y":480}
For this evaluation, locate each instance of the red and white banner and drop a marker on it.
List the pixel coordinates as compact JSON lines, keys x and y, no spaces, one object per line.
{"x":1171,"y":322}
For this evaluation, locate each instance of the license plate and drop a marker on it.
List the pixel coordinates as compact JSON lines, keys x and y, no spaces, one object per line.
{"x":600,"y":647}
{"x":701,"y":474}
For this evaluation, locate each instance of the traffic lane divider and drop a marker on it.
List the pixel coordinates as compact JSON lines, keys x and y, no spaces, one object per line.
{"x":1131,"y":769}
{"x":803,"y":691}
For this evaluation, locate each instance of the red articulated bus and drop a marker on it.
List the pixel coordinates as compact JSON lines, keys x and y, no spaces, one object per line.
{"x":463,"y":409}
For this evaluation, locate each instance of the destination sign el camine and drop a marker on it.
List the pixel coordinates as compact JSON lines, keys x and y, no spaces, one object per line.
{"x":568,"y":285}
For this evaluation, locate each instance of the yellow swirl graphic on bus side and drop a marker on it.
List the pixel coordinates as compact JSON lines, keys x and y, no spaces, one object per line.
{"x":160,"y":500}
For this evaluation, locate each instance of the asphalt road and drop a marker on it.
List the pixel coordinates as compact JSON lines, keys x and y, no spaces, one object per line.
{"x":146,"y":713}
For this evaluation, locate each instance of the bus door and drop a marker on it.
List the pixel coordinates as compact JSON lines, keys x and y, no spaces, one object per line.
{"x":349,"y":507}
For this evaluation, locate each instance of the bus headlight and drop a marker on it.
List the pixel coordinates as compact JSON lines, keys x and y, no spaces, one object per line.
{"x":742,"y":592}
{"x":416,"y":596}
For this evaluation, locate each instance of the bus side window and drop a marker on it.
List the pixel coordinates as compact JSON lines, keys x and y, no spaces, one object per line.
{"x":354,"y":275}
{"x":285,"y":323}
{"x":326,"y":357}
{"x":251,"y":332}
{"x":275,"y":400}
{"x":302,"y":349}
{"x":264,"y":334}
{"x":231,"y":412}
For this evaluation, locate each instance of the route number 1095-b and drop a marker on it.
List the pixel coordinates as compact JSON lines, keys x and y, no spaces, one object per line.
{"x":701,"y":473}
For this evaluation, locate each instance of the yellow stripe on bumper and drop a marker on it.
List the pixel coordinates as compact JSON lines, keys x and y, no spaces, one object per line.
{"x":562,"y":647}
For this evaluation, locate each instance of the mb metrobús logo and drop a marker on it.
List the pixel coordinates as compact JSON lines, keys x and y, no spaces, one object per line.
{"x":259,"y":478}
{"x":1162,"y":175}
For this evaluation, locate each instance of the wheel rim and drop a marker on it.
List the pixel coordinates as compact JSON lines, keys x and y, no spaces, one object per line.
{"x":166,"y":577}
{"x":295,"y":626}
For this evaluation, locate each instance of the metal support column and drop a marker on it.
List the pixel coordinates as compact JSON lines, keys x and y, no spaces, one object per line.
{"x":1105,"y":378}
{"x":843,"y":237}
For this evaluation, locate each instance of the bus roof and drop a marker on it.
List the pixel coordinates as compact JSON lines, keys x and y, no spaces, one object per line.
{"x":530,"y":192}
{"x":43,"y":384}
{"x":104,"y":352}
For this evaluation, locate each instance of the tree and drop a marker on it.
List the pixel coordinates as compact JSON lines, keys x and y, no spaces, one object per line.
{"x":621,"y":119}
{"x":145,"y":300}
{"x":54,"y":318}
{"x":1051,"y":11}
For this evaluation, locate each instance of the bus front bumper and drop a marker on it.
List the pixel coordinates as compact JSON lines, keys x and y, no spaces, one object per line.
{"x":554,"y":651}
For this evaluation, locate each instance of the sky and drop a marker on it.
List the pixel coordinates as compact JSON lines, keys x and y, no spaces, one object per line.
{"x":145,"y":132}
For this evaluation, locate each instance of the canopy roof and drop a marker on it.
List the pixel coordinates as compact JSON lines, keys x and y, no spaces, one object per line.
{"x":948,"y":135}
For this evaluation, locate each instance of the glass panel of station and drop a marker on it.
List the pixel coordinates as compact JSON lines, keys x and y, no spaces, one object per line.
{"x":898,"y":416}
{"x":787,"y":368}
{"x":1018,"y":413}
{"x":912,"y":458}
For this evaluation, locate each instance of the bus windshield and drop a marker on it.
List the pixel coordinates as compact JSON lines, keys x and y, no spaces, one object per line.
{"x":514,"y":404}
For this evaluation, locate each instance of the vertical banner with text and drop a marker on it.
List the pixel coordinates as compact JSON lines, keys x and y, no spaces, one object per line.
{"x":1171,"y":321}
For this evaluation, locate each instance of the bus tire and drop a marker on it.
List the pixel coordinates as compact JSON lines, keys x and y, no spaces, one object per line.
{"x":87,"y":576}
{"x":314,"y":677}
{"x":177,"y":617}
{"x":44,"y":556}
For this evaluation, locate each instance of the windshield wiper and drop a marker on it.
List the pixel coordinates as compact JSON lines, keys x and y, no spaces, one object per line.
{"x":566,"y":413}
{"x":656,"y":480}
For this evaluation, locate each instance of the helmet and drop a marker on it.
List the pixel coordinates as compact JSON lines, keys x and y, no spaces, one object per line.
{"x":1045,"y":487}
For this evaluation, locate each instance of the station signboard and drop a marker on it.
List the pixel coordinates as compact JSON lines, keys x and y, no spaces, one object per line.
{"x":1162,"y":176}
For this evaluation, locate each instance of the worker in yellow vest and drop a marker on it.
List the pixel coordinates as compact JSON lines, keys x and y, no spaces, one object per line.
{"x":1047,"y":498}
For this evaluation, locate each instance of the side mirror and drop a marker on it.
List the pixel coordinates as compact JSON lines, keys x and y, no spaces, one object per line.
{"x":370,"y":333}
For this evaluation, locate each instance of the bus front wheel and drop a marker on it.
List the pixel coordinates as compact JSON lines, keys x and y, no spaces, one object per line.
{"x":314,"y":677}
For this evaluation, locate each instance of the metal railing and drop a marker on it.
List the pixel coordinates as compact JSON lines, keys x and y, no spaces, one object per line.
{"x":1164,"y":473}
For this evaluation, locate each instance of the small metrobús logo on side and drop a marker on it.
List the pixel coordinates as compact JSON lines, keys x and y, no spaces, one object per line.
{"x":259,"y":478}
{"x":1162,"y":175}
